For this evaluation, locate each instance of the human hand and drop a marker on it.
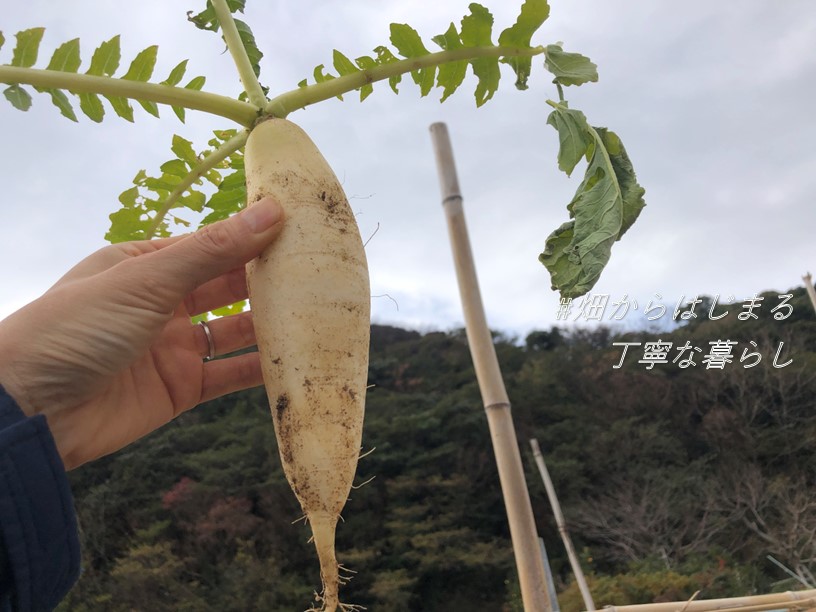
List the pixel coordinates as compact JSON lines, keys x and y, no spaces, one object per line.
{"x":109,"y":354}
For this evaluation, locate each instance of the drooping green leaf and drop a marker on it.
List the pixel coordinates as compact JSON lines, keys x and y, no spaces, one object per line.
{"x":604,"y":206}
{"x":150,"y":107}
{"x":141,"y":68}
{"x":27,"y":48}
{"x":66,"y":57}
{"x":19,"y":97}
{"x":91,"y":105}
{"x":176,"y":74}
{"x":105,"y":60}
{"x":573,"y":135}
{"x":533,"y":14}
{"x":631,"y":191}
{"x":61,"y":101}
{"x":450,"y":76}
{"x":569,"y":68}
{"x":476,"y":31}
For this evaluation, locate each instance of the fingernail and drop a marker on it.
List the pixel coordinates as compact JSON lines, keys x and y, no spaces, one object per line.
{"x":262,"y":215}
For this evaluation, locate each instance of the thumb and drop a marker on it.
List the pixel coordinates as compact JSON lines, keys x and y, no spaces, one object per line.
{"x":219,"y":248}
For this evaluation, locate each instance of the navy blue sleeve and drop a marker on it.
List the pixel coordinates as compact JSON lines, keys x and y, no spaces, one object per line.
{"x":39,"y":543}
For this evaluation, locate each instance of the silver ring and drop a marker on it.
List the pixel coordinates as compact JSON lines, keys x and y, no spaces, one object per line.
{"x":210,"y":342}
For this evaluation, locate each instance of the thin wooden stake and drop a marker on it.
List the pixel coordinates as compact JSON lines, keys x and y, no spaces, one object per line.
{"x":809,"y":287}
{"x":562,"y":527}
{"x":496,"y":403}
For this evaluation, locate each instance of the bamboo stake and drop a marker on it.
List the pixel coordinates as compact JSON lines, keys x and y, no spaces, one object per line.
{"x":793,"y":599}
{"x":496,"y":403}
{"x":810,"y":290}
{"x":562,"y":527}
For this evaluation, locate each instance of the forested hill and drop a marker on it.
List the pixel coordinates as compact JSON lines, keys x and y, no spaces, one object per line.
{"x":673,"y":479}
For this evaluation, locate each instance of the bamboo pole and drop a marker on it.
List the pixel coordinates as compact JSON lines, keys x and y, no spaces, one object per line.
{"x":810,"y":290}
{"x":494,"y":396}
{"x":589,"y":605}
{"x":773,"y":601}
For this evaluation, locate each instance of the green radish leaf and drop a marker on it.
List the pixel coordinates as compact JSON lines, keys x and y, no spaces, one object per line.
{"x":19,"y":97}
{"x":91,"y":105}
{"x":603,"y":208}
{"x":150,"y":107}
{"x":569,"y":68}
{"x":194,"y":200}
{"x":176,"y":167}
{"x":573,"y":134}
{"x":409,"y":44}
{"x":206,"y":19}
{"x":66,"y":57}
{"x":141,"y":68}
{"x":366,"y":63}
{"x":105,"y":59}
{"x":533,"y":14}
{"x":320,"y":76}
{"x":176,"y":74}
{"x":476,"y":31}
{"x":61,"y":101}
{"x":252,"y":50}
{"x":2,"y":40}
{"x":384,"y":56}
{"x":197,"y":83}
{"x":28,"y":45}
{"x":342,"y":64}
{"x":452,"y":75}
{"x":184,"y":150}
{"x":121,"y":106}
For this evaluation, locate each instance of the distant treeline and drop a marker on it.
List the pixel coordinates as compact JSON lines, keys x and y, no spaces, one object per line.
{"x":673,"y":479}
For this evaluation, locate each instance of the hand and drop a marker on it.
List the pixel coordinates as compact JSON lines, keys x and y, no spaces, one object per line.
{"x":109,"y":354}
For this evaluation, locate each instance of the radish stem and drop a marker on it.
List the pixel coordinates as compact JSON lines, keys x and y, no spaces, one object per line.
{"x":241,"y":112}
{"x":239,"y":55}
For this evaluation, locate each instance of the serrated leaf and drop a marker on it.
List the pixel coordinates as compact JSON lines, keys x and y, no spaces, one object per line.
{"x":409,"y":44}
{"x":224,"y":203}
{"x":141,"y":68}
{"x":197,"y":83}
{"x":19,"y":97}
{"x":407,"y":41}
{"x":91,"y":105}
{"x":206,"y":19}
{"x":27,"y":48}
{"x":476,"y":31}
{"x":450,"y":76}
{"x":477,"y":27}
{"x":252,"y":50}
{"x":105,"y":60}
{"x":184,"y":150}
{"x":175,"y":167}
{"x":66,"y":57}
{"x":605,"y":205}
{"x":569,"y":68}
{"x":342,"y":64}
{"x":61,"y":101}
{"x":150,"y":107}
{"x":573,"y":135}
{"x":176,"y":74}
{"x":194,"y":200}
{"x":121,"y":106}
{"x":366,"y":62}
{"x":384,"y":56}
{"x":320,"y":76}
{"x":533,"y":14}
{"x":179,"y":110}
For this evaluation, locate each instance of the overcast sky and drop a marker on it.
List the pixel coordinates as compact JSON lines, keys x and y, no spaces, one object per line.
{"x":713,"y":100}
